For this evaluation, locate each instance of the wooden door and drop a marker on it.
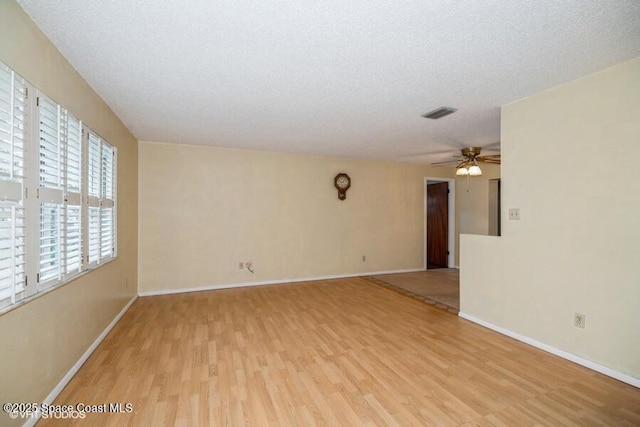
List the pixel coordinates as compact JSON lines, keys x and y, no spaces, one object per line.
{"x":437,"y":225}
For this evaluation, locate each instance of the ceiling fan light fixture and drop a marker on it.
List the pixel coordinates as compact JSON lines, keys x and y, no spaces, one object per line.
{"x":439,"y":113}
{"x":475,"y":170}
{"x":462,"y":171}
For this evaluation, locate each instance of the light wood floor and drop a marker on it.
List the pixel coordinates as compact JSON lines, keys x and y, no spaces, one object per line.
{"x":334,"y":353}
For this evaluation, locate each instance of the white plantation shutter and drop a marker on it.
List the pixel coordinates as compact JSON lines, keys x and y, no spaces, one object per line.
{"x":101,"y":201}
{"x":13,"y":99}
{"x":50,"y":254}
{"x":95,"y":145}
{"x":106,"y":188}
{"x":13,"y":136}
{"x":73,"y":155}
{"x":93,"y":245}
{"x":72,"y":213}
{"x":12,"y":254}
{"x":50,"y":144}
{"x":60,"y":193}
{"x":50,"y":191}
{"x":57,"y":193}
{"x":106,"y":232}
{"x":93,"y":198}
{"x":73,"y":240}
{"x":107,"y":229}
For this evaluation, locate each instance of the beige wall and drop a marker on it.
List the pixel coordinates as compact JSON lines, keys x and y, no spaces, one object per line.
{"x":568,"y":163}
{"x":42,"y":339}
{"x":203,"y":210}
{"x":481,"y":284}
{"x":472,"y":203}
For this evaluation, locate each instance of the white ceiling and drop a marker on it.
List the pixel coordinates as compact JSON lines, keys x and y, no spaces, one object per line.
{"x":333,"y":77}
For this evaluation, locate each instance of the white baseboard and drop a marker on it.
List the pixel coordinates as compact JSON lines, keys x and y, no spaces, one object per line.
{"x":270,"y":282}
{"x":561,"y":353}
{"x":74,"y":369}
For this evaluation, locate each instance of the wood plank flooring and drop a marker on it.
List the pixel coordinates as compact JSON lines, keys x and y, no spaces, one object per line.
{"x":333,"y":353}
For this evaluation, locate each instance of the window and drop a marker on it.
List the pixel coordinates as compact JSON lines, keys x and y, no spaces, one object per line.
{"x":57,"y":193}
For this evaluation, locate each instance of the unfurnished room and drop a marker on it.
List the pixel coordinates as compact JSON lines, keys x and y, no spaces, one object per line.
{"x":330,"y":213}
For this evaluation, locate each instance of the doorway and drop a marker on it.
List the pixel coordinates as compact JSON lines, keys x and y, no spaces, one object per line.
{"x":494,"y":208}
{"x":439,"y":223}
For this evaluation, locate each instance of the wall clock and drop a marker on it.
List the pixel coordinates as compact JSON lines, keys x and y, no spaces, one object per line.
{"x":342,"y":183}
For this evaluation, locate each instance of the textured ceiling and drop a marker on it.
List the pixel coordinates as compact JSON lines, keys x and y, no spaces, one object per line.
{"x":336,"y":77}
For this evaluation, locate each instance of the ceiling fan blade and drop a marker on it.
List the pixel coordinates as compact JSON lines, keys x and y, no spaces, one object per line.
{"x":446,"y":163}
{"x":492,"y":159}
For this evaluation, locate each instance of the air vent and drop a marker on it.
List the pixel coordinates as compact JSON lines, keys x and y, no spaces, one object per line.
{"x":439,"y":113}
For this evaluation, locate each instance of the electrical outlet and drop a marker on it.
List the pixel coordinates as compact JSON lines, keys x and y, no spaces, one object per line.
{"x":514,"y":214}
{"x":579,"y":320}
{"x":364,"y":258}
{"x":241,"y":266}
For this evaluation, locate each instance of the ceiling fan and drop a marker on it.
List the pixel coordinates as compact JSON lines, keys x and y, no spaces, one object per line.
{"x":467,"y":164}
